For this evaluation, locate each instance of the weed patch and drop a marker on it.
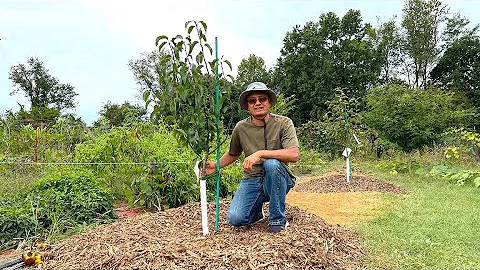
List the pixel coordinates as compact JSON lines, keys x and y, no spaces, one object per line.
{"x":54,"y":204}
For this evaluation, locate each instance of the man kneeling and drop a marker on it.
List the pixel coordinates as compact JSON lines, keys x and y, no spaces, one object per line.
{"x":269,"y":142}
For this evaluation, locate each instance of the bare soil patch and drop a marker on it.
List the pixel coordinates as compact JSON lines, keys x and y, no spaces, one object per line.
{"x":123,"y":210}
{"x":173,"y":239}
{"x":340,"y":207}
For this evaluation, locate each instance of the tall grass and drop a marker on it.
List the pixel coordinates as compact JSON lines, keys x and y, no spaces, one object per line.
{"x":14,"y":178}
{"x":435,"y":226}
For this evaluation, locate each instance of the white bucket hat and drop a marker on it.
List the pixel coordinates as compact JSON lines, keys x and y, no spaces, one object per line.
{"x":257,"y":87}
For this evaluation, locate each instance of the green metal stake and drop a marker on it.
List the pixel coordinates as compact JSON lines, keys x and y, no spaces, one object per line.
{"x":349,"y":165}
{"x":217,"y":112}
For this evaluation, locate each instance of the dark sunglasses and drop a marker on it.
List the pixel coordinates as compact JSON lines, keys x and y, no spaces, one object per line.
{"x":253,"y":101}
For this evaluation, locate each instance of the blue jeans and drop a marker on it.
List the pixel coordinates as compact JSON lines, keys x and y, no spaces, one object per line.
{"x":273,"y":186}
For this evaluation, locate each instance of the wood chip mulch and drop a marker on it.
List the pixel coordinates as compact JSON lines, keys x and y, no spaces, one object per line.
{"x":173,"y":239}
{"x":338,"y":183}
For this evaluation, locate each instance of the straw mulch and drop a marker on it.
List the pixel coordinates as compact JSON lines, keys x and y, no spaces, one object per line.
{"x":338,"y":183}
{"x":173,"y":239}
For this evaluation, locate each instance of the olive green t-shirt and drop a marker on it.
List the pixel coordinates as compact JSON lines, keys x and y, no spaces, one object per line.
{"x":249,"y":138}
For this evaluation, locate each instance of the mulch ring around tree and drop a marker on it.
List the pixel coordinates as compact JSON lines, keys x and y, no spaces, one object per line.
{"x":336,"y":182}
{"x":173,"y":239}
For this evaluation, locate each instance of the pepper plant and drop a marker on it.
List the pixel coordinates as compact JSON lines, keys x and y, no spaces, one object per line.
{"x":185,"y":96}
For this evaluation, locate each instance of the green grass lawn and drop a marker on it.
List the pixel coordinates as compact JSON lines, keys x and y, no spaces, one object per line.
{"x":436,"y":226}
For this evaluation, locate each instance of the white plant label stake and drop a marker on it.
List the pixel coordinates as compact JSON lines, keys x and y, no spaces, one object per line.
{"x":203,"y":199}
{"x":346,"y":153}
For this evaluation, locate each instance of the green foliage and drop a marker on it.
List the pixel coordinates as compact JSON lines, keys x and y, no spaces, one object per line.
{"x":251,"y":70}
{"x":43,"y":91}
{"x":320,"y":57}
{"x":55,"y":204}
{"x":38,"y":116}
{"x":186,"y":94}
{"x":473,"y":139}
{"x":457,"y":29}
{"x":120,"y":115}
{"x":44,"y":142}
{"x":461,"y":145}
{"x":284,"y":105}
{"x":451,"y":153}
{"x":396,"y":166}
{"x":19,"y":143}
{"x":230,"y":179}
{"x":389,"y":47}
{"x":147,"y":69}
{"x":459,"y":69}
{"x":329,"y":135}
{"x":150,"y":189}
{"x":422,"y":21}
{"x":174,"y":169}
{"x":122,"y":145}
{"x":413,"y":118}
{"x":158,"y":171}
{"x":63,"y":136}
{"x":309,"y":161}
{"x":451,"y":174}
{"x":316,"y":135}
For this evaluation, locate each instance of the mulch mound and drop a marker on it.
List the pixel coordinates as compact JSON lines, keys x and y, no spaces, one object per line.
{"x":338,"y":183}
{"x":173,"y":239}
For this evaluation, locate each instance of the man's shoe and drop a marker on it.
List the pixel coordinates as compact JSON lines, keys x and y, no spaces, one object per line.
{"x":277,"y":228}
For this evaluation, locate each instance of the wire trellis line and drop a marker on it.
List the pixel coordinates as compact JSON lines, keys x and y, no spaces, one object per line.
{"x":92,"y":163}
{"x":120,"y":163}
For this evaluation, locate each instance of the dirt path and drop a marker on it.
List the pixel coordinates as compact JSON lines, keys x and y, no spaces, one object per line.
{"x":337,"y":208}
{"x":338,"y":202}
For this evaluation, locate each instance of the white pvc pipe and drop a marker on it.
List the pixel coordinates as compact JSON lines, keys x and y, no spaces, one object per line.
{"x":349,"y":179}
{"x":203,"y":202}
{"x":346,"y":153}
{"x":203,"y":199}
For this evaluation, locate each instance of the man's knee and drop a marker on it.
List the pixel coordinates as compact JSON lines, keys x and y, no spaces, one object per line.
{"x":270,"y":165}
{"x":236,"y":219}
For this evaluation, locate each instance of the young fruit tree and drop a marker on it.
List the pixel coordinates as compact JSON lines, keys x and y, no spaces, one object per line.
{"x":185,"y":97}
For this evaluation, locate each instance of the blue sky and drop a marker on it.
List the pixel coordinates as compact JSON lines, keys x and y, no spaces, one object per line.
{"x":88,"y":43}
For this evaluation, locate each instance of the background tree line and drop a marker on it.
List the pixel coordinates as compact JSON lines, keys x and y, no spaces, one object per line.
{"x":324,"y":65}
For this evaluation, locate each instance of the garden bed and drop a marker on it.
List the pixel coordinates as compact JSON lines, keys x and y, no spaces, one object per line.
{"x":173,"y":239}
{"x":336,"y":182}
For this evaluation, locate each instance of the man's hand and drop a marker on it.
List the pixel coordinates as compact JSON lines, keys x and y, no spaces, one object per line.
{"x":225,"y":160}
{"x":251,"y":160}
{"x":209,"y":168}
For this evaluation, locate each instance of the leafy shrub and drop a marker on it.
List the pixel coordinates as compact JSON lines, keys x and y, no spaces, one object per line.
{"x":55,"y":204}
{"x":329,"y":135}
{"x":394,"y":166}
{"x":67,"y":132}
{"x":321,"y":137}
{"x":472,"y":139}
{"x":308,"y":161}
{"x":413,"y":118}
{"x":162,"y":174}
{"x":451,"y":174}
